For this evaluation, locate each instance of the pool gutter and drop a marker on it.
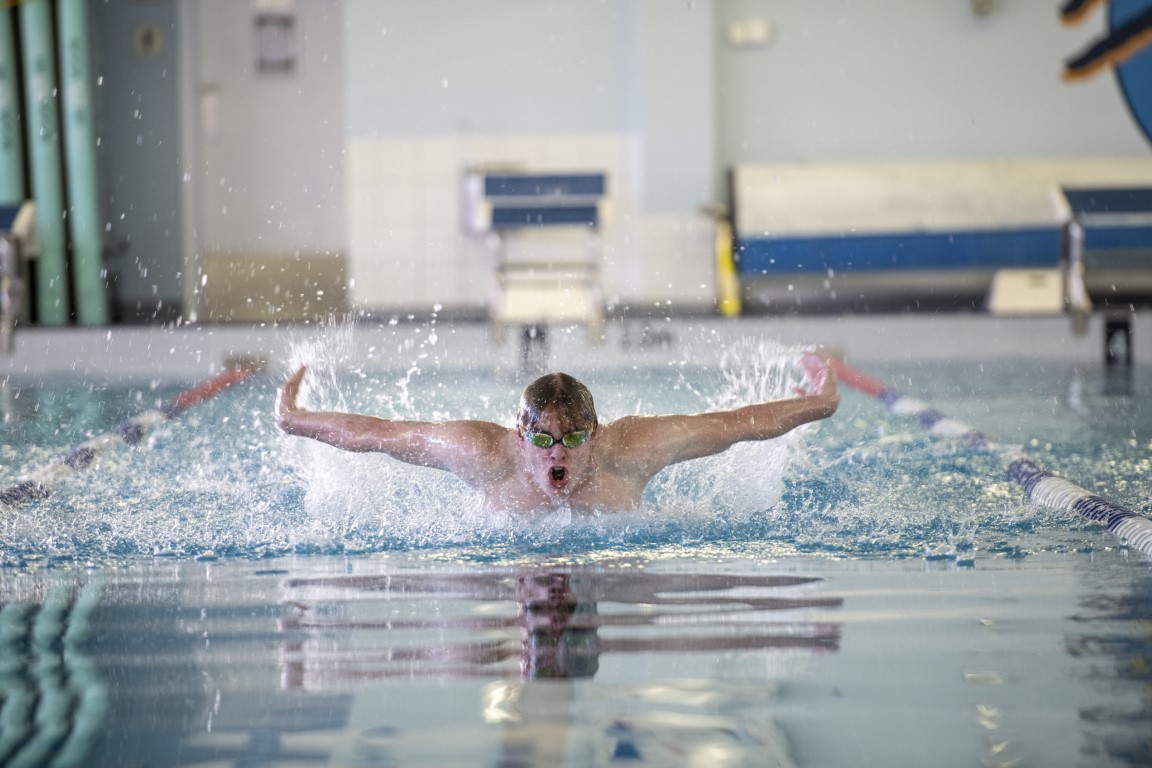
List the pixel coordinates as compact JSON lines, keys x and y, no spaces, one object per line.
{"x":192,"y":351}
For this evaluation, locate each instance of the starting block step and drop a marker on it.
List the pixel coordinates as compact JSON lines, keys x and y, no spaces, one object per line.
{"x":1026,"y":292}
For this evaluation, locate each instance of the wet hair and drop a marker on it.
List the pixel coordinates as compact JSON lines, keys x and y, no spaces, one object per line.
{"x":560,"y":395}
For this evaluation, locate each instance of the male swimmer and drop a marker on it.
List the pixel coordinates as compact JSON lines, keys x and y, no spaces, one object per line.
{"x":559,"y":454}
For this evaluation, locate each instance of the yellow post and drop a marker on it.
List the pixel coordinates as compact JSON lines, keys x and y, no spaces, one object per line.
{"x":727,"y":282}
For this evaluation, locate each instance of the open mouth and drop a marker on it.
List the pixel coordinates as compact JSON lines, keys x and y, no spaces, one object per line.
{"x":558,"y":477}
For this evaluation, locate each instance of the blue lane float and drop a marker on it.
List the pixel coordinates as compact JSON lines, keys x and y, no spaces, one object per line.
{"x":1039,"y":486}
{"x":38,"y":484}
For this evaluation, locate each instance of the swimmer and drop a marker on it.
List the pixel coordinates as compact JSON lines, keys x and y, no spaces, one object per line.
{"x":559,"y":454}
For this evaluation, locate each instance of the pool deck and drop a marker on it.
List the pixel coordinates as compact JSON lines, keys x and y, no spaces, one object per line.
{"x":188,"y":352}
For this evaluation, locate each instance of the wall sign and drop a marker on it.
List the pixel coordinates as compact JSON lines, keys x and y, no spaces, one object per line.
{"x":277,"y":44}
{"x":1126,"y":48}
{"x":147,"y":40}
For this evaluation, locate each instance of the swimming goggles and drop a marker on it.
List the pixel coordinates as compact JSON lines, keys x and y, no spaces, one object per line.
{"x":545,"y":440}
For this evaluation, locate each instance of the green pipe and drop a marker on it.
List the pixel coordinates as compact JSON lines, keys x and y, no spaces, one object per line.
{"x":80,"y":159}
{"x":44,"y":152}
{"x":11,"y":162}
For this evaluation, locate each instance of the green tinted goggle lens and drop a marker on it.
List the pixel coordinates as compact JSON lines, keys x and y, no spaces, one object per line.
{"x":545,"y":440}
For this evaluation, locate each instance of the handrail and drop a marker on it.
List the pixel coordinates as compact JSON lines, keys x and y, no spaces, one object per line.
{"x":11,"y":293}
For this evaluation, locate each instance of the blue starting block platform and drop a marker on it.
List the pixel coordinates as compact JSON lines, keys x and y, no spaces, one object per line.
{"x":504,"y":201}
{"x":995,"y":235}
{"x":1110,"y":243}
{"x":1117,"y":225}
{"x":8,"y":216}
{"x":537,"y":279}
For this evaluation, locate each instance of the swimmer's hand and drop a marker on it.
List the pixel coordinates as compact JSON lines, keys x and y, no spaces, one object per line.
{"x":349,"y":431}
{"x":821,"y":381}
{"x":286,"y":402}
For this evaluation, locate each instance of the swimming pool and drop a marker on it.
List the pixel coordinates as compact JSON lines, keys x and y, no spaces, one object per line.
{"x":861,"y":592}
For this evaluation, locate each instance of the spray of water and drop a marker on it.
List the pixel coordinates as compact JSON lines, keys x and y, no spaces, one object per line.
{"x":378,"y":498}
{"x":746,"y":481}
{"x":222,"y":480}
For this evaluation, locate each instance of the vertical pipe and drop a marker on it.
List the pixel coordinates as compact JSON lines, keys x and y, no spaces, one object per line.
{"x":1079,"y":302}
{"x":11,"y":181}
{"x":44,"y":151}
{"x":11,"y":148}
{"x":191,"y":93}
{"x":727,"y":280}
{"x":11,"y":294}
{"x":80,"y":157}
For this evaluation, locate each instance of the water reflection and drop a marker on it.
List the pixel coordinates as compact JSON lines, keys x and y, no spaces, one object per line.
{"x":53,"y":698}
{"x":1119,"y":649}
{"x":418,"y":663}
{"x":537,"y":623}
{"x":690,"y":679}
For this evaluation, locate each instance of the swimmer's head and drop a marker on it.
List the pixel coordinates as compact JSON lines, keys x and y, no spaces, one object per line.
{"x":558,"y":395}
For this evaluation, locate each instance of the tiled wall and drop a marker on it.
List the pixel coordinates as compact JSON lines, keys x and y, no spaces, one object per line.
{"x":408,"y":250}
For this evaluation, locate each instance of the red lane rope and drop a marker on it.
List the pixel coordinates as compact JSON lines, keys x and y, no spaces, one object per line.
{"x":857,"y":380}
{"x":130,"y":432}
{"x":207,"y":389}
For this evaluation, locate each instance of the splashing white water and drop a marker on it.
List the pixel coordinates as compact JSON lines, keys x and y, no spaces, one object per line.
{"x":370,"y":495}
{"x":376,"y":496}
{"x":222,"y":480}
{"x":748,"y":479}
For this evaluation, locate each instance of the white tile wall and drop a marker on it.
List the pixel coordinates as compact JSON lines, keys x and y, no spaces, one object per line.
{"x":408,"y":251}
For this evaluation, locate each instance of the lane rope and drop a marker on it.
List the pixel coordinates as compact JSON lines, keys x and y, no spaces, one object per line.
{"x":1040,"y":486}
{"x":38,"y":483}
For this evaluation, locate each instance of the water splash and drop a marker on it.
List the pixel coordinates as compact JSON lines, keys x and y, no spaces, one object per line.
{"x":376,"y":497}
{"x":223,"y":481}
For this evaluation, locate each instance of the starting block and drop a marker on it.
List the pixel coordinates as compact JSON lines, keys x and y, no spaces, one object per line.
{"x":530,"y":290}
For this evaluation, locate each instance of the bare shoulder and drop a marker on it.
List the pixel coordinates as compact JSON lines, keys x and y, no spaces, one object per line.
{"x":642,"y":445}
{"x":629,"y":431}
{"x":474,"y":438}
{"x":635,"y":431}
{"x":475,"y":450}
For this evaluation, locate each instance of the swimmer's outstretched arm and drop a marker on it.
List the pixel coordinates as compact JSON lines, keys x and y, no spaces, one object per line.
{"x":657,"y":441}
{"x":461,"y":447}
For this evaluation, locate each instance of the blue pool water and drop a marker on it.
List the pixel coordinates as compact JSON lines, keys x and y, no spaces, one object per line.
{"x":857,"y":593}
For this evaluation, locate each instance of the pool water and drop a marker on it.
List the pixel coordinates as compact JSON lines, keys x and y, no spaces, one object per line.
{"x":671,"y":656}
{"x":859,"y":592}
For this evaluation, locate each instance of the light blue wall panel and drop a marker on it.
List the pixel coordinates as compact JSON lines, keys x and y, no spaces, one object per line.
{"x":929,"y":79}
{"x":500,"y":66}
